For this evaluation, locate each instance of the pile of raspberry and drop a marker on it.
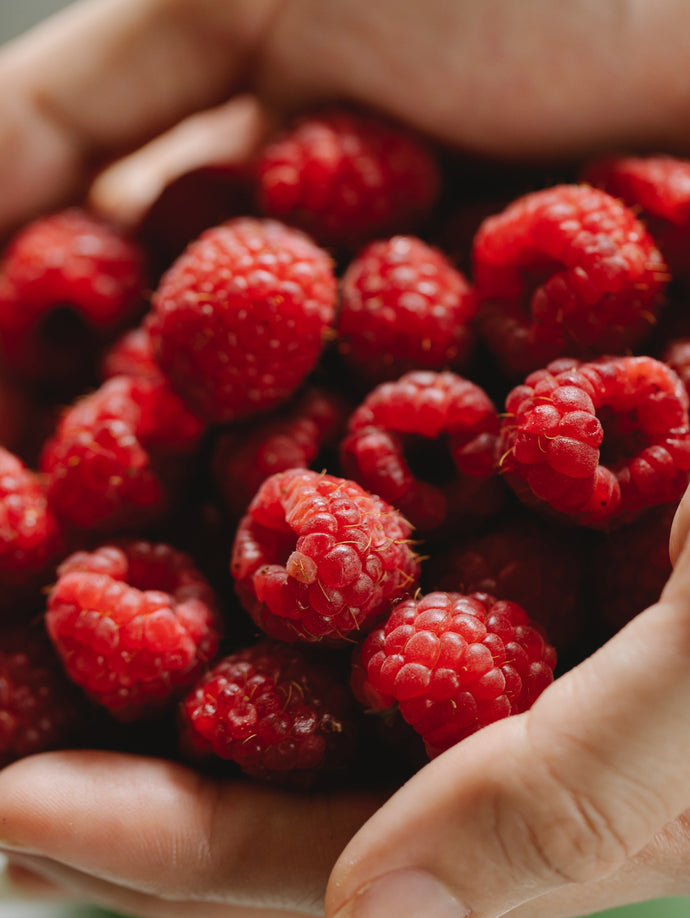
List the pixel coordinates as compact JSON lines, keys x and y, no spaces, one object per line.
{"x":363,"y":453}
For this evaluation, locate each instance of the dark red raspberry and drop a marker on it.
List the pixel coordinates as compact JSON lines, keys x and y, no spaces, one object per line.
{"x":116,"y":452}
{"x":599,"y":442}
{"x":347,"y":178}
{"x":658,"y":189}
{"x":241,"y":317}
{"x":404,"y":307}
{"x":318,"y":558}
{"x":426,"y":444}
{"x":30,"y":536}
{"x":631,"y":566}
{"x":246,"y":455}
{"x":40,"y":708}
{"x":524,"y":559}
{"x":131,"y":355}
{"x":66,"y":263}
{"x":453,"y":664}
{"x":568,"y":270}
{"x":278,"y":716}
{"x":134,"y":623}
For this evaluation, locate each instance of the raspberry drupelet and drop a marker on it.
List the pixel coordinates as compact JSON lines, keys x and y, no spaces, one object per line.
{"x":67,"y":262}
{"x":131,"y":355}
{"x":31,"y":537}
{"x":293,"y":437}
{"x":453,"y":663}
{"x":317,"y":558}
{"x":347,"y":178}
{"x":135,"y":624}
{"x":40,"y":708}
{"x":598,"y":442}
{"x":278,"y":716}
{"x":241,"y":317}
{"x":658,"y":189}
{"x":115,"y":454}
{"x":404,"y":307}
{"x":426,"y":444}
{"x":565,"y":271}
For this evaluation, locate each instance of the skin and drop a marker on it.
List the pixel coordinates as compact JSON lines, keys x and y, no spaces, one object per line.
{"x":588,"y":808}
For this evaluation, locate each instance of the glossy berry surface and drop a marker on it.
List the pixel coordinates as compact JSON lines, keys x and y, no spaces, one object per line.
{"x":404,"y":307}
{"x":318,"y":558}
{"x":599,"y":442}
{"x":241,"y":317}
{"x":454,"y":663}
{"x":346,"y":178}
{"x":135,"y":624}
{"x":278,"y":716}
{"x":568,"y":270}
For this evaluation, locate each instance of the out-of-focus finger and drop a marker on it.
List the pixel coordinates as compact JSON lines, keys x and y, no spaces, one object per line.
{"x":103,"y":77}
{"x":85,"y":888}
{"x":226,"y":136}
{"x":164,"y":830}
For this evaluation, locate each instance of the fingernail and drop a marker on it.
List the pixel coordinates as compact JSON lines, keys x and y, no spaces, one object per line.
{"x":404,"y":894}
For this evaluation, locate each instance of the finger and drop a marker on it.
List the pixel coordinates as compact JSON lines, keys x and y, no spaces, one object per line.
{"x":85,"y":888}
{"x":228,"y":135}
{"x":564,"y":794}
{"x":104,"y":76}
{"x":531,"y":79}
{"x":27,"y":882}
{"x":161,"y":829}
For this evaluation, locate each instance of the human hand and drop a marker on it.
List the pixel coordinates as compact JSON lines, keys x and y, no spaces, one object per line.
{"x":111,"y":75}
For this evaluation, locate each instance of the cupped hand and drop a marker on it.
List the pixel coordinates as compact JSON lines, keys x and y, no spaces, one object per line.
{"x":572,"y":807}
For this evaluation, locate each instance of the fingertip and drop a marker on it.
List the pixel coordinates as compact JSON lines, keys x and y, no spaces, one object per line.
{"x":680,"y":528}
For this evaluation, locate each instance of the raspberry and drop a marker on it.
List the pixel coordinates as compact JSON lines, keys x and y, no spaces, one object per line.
{"x":677,"y":356}
{"x":134,"y":623}
{"x":116,"y":453}
{"x":276,"y":715}
{"x":131,"y":355}
{"x":40,"y":709}
{"x":426,"y":444}
{"x":404,"y":307}
{"x":565,"y":271}
{"x":346,"y":178}
{"x":246,"y":455}
{"x":599,"y":442}
{"x":30,"y":536}
{"x":241,"y":317}
{"x":66,"y":264}
{"x":525,"y":560}
{"x":658,"y":188}
{"x":454,"y":663}
{"x":632,"y":565}
{"x":318,"y":558}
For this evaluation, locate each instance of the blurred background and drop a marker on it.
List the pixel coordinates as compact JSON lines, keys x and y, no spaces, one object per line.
{"x":16,"y":16}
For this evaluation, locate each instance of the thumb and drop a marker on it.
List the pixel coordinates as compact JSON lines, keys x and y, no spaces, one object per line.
{"x":563,"y":794}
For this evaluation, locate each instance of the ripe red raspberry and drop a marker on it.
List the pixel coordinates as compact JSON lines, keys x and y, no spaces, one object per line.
{"x":68,"y":262}
{"x":346,"y":178}
{"x":567,"y":270}
{"x":131,"y":355}
{"x":116,"y":452}
{"x":30,"y":536}
{"x":599,"y":442}
{"x":40,"y":708}
{"x":677,"y":356}
{"x":524,"y":559}
{"x":631,"y":566}
{"x":404,"y":307}
{"x":278,"y":716}
{"x":241,"y":317}
{"x":246,"y":455}
{"x":426,"y":444}
{"x":658,"y":189}
{"x":318,"y":558}
{"x":135,"y":624}
{"x":454,"y":663}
